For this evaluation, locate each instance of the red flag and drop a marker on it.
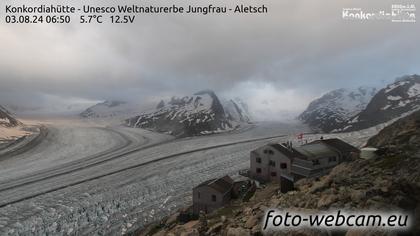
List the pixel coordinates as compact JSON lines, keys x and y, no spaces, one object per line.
{"x":300,"y":136}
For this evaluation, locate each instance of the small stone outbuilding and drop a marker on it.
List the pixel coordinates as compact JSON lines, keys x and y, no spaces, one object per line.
{"x":212,"y":194}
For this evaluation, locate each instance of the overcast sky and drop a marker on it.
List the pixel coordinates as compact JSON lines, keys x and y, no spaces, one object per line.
{"x":277,"y":62}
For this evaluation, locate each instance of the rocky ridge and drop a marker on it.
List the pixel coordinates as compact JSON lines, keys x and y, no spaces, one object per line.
{"x":7,"y":119}
{"x":200,"y":114}
{"x":395,"y":100}
{"x":332,"y":110}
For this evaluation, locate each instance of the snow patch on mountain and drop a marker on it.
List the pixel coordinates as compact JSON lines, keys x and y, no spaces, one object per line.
{"x":198,"y":114}
{"x":391,"y":102}
{"x":237,"y":110}
{"x":414,"y":90}
{"x":333,"y":109}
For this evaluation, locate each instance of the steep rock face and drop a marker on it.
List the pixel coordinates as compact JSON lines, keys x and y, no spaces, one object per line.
{"x":201,"y":113}
{"x":393,"y":101}
{"x":333,"y":109}
{"x":6,"y":119}
{"x":237,"y":110}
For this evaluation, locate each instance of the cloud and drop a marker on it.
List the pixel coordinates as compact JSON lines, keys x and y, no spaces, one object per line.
{"x":268,"y":103}
{"x":300,"y":47}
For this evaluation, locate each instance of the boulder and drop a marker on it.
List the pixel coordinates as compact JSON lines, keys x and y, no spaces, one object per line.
{"x":326,"y":200}
{"x":215,"y":229}
{"x":237,"y":232}
{"x":193,"y":232}
{"x":357,"y":195}
{"x":251,"y":222}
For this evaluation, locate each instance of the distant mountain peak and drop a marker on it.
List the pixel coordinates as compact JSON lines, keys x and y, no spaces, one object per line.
{"x":344,"y":110}
{"x":110,"y":109}
{"x":331,"y":110}
{"x":407,"y":78}
{"x":395,"y":100}
{"x":113,"y":103}
{"x":198,"y":114}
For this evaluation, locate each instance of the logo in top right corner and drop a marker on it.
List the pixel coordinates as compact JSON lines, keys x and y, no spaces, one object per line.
{"x":401,"y":13}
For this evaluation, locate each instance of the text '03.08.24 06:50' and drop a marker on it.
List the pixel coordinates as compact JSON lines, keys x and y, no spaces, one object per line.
{"x":67,"y":19}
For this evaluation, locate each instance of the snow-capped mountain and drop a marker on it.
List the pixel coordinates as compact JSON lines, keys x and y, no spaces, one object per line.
{"x":111,"y":109}
{"x":395,"y":100}
{"x":7,"y":119}
{"x":236,"y":110}
{"x":333,"y":109}
{"x":201,"y":113}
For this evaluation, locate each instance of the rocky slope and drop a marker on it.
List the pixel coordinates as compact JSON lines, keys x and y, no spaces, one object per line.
{"x":333,"y":109}
{"x":199,"y":114}
{"x":10,"y":128}
{"x":404,"y":133}
{"x":6,"y":119}
{"x":389,"y":182}
{"x":237,"y":110}
{"x":393,"y":101}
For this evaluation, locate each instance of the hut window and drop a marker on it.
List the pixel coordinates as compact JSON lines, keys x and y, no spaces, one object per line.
{"x":258,"y":159}
{"x":213,"y":198}
{"x":315,"y":162}
{"x":268,"y":151}
{"x":258,"y":170}
{"x":283,"y":166}
{"x":272,"y":163}
{"x":273,"y":174}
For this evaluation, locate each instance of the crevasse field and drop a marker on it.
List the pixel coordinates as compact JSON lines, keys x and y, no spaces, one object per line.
{"x":87,"y":179}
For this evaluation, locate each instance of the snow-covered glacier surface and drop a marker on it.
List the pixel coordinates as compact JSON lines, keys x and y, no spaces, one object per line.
{"x":140,"y":177}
